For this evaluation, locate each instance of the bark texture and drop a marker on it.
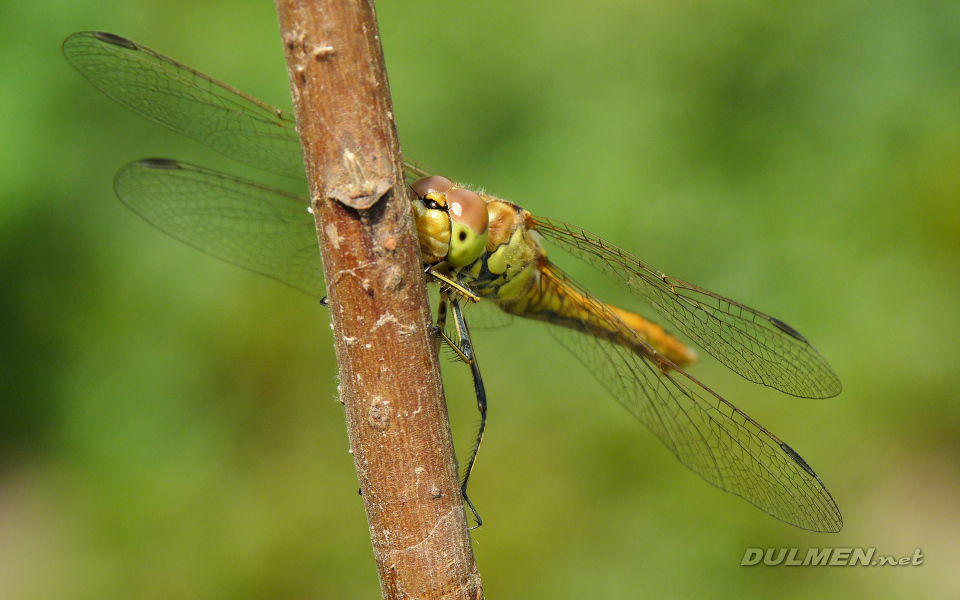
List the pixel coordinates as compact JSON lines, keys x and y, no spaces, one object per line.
{"x":389,"y":377}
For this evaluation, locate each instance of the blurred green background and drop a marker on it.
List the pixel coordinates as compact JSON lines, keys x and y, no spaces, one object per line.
{"x":169,"y":425}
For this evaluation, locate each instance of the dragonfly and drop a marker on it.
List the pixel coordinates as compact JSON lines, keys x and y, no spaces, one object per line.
{"x":480,"y":248}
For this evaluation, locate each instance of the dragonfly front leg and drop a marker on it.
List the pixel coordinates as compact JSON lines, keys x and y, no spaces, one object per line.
{"x":450,"y":284}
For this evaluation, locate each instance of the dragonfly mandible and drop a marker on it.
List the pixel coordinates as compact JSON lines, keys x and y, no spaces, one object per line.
{"x":481,"y":248}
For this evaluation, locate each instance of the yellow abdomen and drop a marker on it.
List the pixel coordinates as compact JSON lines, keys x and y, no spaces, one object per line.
{"x":549,"y":296}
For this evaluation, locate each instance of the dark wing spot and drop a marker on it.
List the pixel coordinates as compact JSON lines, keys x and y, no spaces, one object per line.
{"x":797,"y":459}
{"x":160,"y":163}
{"x":787,"y":329}
{"x":116,"y":40}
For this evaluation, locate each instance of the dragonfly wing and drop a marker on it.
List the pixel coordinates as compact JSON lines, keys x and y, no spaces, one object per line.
{"x":259,"y":228}
{"x":758,"y":347}
{"x":413,"y":170}
{"x":176,"y":96}
{"x":196,"y":105}
{"x":708,"y":434}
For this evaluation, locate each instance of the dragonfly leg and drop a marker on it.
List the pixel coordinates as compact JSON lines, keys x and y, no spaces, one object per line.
{"x":463,"y":348}
{"x":440,"y":330}
{"x":441,"y":325}
{"x":466,"y":348}
{"x":450,"y":284}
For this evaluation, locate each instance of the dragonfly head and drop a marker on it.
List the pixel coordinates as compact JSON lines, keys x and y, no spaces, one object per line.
{"x":452,"y":221}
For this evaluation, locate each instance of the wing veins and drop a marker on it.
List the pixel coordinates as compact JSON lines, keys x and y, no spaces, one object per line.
{"x":256,"y":227}
{"x":707,"y":433}
{"x":745,"y":340}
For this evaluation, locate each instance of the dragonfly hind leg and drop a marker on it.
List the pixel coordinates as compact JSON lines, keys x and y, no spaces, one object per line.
{"x":463,"y":348}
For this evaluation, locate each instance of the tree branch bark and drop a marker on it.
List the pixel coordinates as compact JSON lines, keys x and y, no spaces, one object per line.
{"x":389,"y":376}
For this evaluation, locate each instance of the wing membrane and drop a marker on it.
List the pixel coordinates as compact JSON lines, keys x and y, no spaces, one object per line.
{"x":708,"y":434}
{"x":179,"y":97}
{"x":256,"y":227}
{"x":172,"y":94}
{"x":758,"y":347}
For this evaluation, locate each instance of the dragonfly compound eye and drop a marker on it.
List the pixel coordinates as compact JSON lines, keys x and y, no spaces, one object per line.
{"x":435,"y":184}
{"x":468,"y":226}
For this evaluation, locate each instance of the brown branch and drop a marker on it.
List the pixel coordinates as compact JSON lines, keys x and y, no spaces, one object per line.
{"x":389,"y":377}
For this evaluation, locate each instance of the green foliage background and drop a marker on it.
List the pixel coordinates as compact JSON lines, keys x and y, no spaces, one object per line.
{"x":169,"y":425}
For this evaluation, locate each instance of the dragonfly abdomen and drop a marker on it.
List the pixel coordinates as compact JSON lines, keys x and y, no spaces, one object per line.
{"x":549,"y":298}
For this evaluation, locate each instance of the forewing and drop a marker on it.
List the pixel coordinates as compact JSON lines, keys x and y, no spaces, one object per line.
{"x":708,"y":434}
{"x":413,"y":170}
{"x":196,"y":105}
{"x":172,"y":94}
{"x":259,"y":228}
{"x":758,"y":347}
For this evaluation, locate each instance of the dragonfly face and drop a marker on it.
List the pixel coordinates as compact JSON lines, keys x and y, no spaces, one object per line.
{"x":489,"y":249}
{"x":452,"y":222}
